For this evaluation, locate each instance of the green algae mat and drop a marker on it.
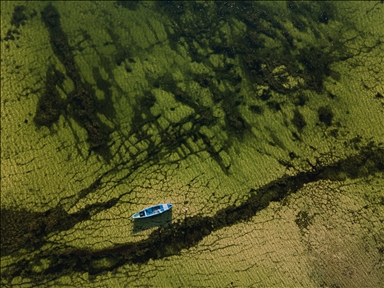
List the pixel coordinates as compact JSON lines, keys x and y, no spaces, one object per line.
{"x":261,"y":122}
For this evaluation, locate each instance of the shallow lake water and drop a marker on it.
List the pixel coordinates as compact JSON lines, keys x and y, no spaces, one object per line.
{"x":260,"y":122}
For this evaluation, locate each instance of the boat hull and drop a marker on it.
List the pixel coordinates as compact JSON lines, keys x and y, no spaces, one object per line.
{"x":152,"y":211}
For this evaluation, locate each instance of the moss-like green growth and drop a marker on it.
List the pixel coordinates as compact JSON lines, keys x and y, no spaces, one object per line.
{"x":23,"y":229}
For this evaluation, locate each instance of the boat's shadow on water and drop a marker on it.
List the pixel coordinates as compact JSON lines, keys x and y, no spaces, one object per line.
{"x":161,"y":220}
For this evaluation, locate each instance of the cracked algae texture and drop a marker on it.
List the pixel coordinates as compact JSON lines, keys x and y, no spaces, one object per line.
{"x":262,"y":123}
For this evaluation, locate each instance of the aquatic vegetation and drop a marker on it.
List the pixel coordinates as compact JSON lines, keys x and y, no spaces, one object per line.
{"x":232,"y":111}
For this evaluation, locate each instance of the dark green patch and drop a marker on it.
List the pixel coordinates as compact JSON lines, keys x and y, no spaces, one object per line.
{"x":325,"y":115}
{"x":130,"y":5}
{"x":18,"y":16}
{"x":82,"y":102}
{"x":183,"y":97}
{"x":303,"y":220}
{"x":22,"y":229}
{"x":217,"y":95}
{"x":50,"y":104}
{"x":10,"y":35}
{"x":121,"y":55}
{"x":235,"y":123}
{"x":104,"y":106}
{"x":203,"y":80}
{"x":292,"y":155}
{"x":298,"y":120}
{"x":266,"y":95}
{"x":260,"y":61}
{"x":361,"y":165}
{"x":256,"y":109}
{"x":301,"y":100}
{"x":317,"y":67}
{"x":274,"y":105}
{"x":175,"y":8}
{"x":322,"y":12}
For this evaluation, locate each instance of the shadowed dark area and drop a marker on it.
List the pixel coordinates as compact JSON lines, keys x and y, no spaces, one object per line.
{"x":18,"y":16}
{"x":162,"y":220}
{"x":82,"y":102}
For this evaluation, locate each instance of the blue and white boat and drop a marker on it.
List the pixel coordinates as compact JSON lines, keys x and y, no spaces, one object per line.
{"x":152,"y":211}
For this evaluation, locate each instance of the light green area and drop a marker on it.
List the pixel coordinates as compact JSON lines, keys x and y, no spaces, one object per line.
{"x":42,"y":167}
